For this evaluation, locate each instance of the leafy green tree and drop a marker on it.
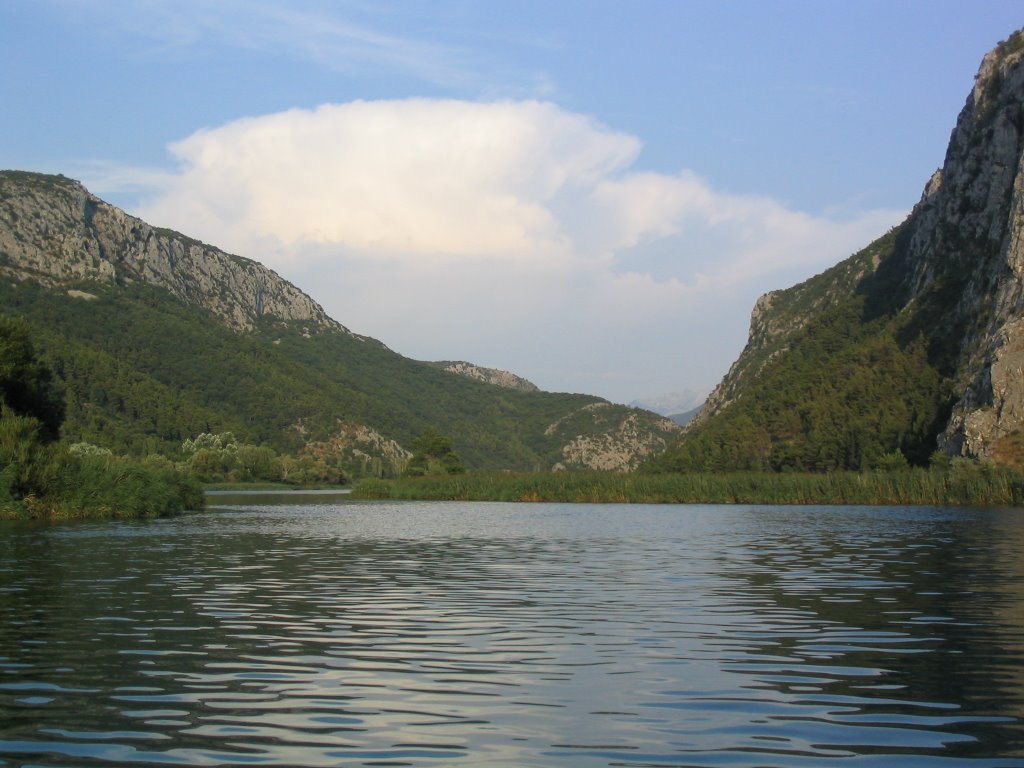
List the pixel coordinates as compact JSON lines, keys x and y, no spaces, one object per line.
{"x":31,"y":413}
{"x":434,"y":453}
{"x":253,"y":462}
{"x":210,"y":465}
{"x":40,"y":476}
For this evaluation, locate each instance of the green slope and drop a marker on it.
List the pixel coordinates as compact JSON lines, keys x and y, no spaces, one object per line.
{"x":849,"y":392}
{"x":142,"y":372}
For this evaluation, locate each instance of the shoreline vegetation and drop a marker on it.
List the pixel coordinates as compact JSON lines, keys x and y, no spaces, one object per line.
{"x":44,"y":478}
{"x":961,"y":483}
{"x":96,"y":487}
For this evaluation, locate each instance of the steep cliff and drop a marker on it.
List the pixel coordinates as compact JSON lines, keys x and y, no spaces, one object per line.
{"x":949,"y":280}
{"x":54,"y":231}
{"x":965,"y":257}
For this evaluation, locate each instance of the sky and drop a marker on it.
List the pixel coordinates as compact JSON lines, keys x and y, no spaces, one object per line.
{"x":590,"y":194}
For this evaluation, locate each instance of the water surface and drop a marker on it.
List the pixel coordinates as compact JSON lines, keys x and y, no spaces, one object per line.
{"x":345,"y":633}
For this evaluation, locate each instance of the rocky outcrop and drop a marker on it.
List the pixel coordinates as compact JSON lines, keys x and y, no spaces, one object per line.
{"x":54,"y":231}
{"x":623,"y":442}
{"x":495,"y":376}
{"x":362,"y":449}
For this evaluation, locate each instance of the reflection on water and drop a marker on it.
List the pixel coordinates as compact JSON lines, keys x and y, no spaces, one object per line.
{"x":354,"y":633}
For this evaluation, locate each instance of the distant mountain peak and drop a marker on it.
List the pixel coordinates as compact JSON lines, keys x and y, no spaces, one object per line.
{"x":671,"y":403}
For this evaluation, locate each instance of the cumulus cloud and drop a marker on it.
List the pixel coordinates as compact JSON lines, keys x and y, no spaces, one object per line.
{"x":413,"y":179}
{"x":515,"y":234}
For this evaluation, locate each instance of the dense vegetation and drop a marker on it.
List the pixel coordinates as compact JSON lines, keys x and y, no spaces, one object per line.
{"x":42,"y":477}
{"x":850,"y":372}
{"x":142,"y":373}
{"x":962,"y":483}
{"x":847,"y":395}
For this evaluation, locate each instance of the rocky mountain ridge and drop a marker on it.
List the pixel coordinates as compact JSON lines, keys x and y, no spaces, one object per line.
{"x":54,"y":231}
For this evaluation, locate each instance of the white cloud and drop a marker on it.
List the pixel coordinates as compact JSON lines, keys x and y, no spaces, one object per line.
{"x":416,"y":178}
{"x":513,"y":234}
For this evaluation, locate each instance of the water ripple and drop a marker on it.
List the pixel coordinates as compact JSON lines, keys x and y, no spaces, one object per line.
{"x":529,"y":635}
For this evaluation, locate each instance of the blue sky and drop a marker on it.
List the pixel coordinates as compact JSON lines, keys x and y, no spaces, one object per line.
{"x":591,"y":194}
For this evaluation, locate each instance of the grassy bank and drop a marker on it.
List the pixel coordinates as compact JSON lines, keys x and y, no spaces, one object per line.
{"x":962,"y":484}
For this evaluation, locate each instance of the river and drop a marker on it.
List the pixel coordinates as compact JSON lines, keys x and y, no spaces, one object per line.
{"x":343,"y":633}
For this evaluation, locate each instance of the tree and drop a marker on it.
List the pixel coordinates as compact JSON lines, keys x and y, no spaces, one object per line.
{"x":31,"y":412}
{"x":26,"y":385}
{"x":433,"y":453}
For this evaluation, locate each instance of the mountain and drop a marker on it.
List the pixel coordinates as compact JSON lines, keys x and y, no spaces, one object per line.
{"x":684,"y":418}
{"x":911,"y":346}
{"x":157,"y":338}
{"x":671,"y":403}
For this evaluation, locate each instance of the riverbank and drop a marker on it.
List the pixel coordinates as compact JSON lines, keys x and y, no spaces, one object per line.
{"x":961,"y":484}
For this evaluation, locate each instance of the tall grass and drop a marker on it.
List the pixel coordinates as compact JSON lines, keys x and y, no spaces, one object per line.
{"x":114,"y":486}
{"x":962,"y":484}
{"x":97,"y":486}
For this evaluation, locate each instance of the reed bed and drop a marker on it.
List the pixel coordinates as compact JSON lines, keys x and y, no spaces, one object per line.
{"x":968,"y":484}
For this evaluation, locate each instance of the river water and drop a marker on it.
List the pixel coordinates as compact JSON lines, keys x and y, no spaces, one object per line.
{"x":345,"y":633}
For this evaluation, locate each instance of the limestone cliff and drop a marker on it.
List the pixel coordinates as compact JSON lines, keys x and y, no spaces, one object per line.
{"x":54,"y":231}
{"x":953,"y":272}
{"x":623,"y":442}
{"x":967,"y":232}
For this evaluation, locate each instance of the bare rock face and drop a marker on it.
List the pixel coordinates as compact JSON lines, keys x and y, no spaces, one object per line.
{"x":623,"y":443}
{"x":997,"y":397}
{"x":54,"y":231}
{"x":495,"y":376}
{"x":358,"y":445}
{"x":970,"y":227}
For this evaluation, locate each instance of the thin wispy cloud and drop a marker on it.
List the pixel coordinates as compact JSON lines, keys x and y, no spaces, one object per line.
{"x":321,"y":35}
